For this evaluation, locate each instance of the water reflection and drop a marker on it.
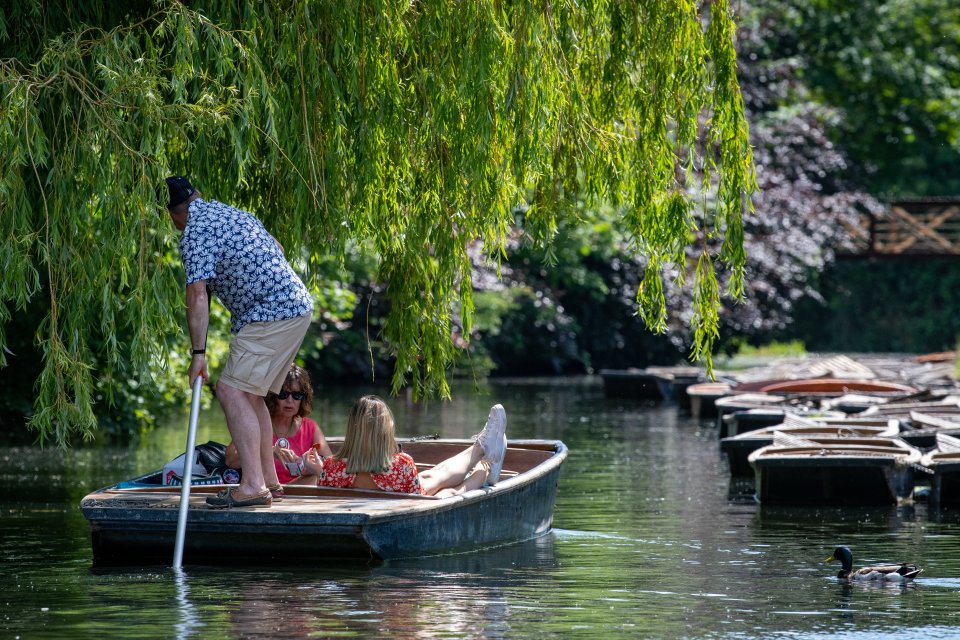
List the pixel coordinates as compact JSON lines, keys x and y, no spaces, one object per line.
{"x":189,"y":623}
{"x":831,"y":520}
{"x":648,"y":543}
{"x":442,"y":596}
{"x":945,"y":515}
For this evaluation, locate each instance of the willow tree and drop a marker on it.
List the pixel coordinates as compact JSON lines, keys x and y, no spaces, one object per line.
{"x":410,"y":128}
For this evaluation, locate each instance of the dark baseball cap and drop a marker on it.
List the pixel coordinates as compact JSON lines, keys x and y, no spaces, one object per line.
{"x":180,"y":189}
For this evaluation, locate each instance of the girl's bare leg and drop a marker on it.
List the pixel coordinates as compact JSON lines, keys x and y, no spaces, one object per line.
{"x":452,"y":472}
{"x":477,"y":478}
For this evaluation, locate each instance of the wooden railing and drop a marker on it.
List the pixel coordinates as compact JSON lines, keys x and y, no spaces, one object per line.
{"x":913,"y":227}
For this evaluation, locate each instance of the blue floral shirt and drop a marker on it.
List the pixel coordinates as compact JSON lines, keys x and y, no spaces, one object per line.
{"x":242,"y":263}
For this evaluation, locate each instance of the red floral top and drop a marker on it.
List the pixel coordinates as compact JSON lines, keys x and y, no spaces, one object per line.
{"x":401,"y":478}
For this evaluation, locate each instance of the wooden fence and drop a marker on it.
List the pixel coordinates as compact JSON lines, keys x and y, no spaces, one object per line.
{"x":912,"y":228}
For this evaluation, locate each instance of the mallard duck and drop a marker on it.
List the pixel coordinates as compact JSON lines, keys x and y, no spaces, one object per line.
{"x":889,"y":572}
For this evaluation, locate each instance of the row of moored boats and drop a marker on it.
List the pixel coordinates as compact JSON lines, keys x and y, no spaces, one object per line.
{"x":837,"y":430}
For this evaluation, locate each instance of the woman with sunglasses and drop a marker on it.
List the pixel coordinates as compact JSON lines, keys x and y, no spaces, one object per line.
{"x":293,"y":432}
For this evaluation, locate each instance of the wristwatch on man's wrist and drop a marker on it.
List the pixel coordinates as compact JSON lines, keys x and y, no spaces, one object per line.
{"x":198,"y":352}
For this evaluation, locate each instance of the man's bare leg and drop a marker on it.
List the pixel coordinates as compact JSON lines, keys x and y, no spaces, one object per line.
{"x":266,"y":440}
{"x":243,"y":422}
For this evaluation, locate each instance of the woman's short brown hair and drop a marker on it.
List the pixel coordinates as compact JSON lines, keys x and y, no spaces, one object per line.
{"x":296,"y":376}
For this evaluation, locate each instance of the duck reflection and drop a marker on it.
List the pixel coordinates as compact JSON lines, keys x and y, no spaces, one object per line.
{"x":861,"y":597}
{"x":437,"y":596}
{"x":866,"y":593}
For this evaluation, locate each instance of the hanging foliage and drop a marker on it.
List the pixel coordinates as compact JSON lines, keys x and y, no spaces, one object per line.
{"x":411,"y":128}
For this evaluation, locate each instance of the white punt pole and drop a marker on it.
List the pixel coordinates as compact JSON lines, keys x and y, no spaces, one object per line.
{"x":187,"y":473}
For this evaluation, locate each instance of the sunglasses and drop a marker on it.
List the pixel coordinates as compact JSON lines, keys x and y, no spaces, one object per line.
{"x":297,"y":395}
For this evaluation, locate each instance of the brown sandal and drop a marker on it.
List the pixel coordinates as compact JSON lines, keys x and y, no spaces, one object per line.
{"x":229,"y":498}
{"x":276,"y":492}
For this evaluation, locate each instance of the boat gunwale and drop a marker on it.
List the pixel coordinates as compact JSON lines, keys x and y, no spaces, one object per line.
{"x":372,"y":528}
{"x":945,"y":456}
{"x":898,"y":452}
{"x":814,"y":431}
{"x":826,"y":386}
{"x":367,"y":506}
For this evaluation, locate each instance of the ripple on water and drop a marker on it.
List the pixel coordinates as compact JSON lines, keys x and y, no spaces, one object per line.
{"x":648,"y":544}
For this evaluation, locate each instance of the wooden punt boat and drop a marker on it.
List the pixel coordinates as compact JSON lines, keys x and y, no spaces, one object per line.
{"x":673,"y":382}
{"x":834,"y":471}
{"x":763,"y":398}
{"x":773,"y":405}
{"x":944,"y":463}
{"x":739,"y":447}
{"x":945,"y":405}
{"x":744,"y":420}
{"x":854,"y":402}
{"x":630,"y":383}
{"x":921,"y":420}
{"x":135,"y":522}
{"x":926,"y":428}
{"x":740,"y":422}
{"x":703,"y":398}
{"x":826,"y":387}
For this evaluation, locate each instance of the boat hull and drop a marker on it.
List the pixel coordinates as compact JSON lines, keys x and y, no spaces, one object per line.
{"x":637,"y":384}
{"x":943,"y":462}
{"x":703,"y":398}
{"x":738,"y":452}
{"x":673,"y":383}
{"x":945,"y":485}
{"x":138,"y":526}
{"x":832,"y":481}
{"x":739,"y":447}
{"x":746,"y":420}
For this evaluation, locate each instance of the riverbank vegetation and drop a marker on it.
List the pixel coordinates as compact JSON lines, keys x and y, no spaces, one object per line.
{"x":461,"y":189}
{"x":408,"y":134}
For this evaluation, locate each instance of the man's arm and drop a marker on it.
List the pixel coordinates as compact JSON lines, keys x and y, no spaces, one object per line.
{"x":198,"y":318}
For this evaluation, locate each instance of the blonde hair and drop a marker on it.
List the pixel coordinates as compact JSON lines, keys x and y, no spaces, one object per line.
{"x":369,"y":444}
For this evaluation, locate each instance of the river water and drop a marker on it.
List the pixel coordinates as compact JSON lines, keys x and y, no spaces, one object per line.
{"x":647,"y":543}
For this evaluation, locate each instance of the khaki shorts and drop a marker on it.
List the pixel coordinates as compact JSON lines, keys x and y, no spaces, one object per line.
{"x":261,"y":354}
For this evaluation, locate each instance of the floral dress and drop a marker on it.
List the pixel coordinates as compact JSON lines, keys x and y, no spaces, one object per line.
{"x":401,"y":478}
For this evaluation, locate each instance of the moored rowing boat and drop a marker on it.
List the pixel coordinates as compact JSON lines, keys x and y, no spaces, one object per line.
{"x":739,"y":447}
{"x":944,"y":463}
{"x":834,"y":471}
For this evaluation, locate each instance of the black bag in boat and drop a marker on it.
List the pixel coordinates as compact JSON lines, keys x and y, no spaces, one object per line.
{"x":209,"y":464}
{"x":213,"y":456}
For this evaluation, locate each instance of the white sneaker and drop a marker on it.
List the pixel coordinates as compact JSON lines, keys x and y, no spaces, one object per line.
{"x":493,"y":440}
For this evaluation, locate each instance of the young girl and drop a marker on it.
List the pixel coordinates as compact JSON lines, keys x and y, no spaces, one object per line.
{"x":371,"y":459}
